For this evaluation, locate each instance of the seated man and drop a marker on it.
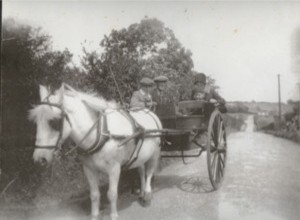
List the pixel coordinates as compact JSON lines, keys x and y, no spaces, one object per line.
{"x":202,"y":91}
{"x":142,"y":97}
{"x":159,"y":94}
{"x":166,"y":102}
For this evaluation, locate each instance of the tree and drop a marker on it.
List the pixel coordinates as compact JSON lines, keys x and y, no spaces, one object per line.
{"x":143,"y":49}
{"x":27,"y":60}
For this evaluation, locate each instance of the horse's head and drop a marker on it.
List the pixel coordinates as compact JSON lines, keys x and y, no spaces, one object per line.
{"x":52,"y":124}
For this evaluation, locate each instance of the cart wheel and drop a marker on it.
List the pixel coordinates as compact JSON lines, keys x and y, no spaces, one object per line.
{"x":216,"y":149}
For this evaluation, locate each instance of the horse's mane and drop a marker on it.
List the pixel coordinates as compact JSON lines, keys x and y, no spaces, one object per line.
{"x":91,"y":99}
{"x":95,"y":101}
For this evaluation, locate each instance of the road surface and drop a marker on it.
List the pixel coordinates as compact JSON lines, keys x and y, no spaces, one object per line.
{"x":262,"y":181}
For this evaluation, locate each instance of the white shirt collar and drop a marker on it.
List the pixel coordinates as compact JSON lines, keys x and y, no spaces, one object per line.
{"x":143,"y":92}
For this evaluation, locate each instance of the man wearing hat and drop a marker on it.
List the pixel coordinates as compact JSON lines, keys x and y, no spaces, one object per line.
{"x":201,"y":91}
{"x":166,"y":102}
{"x":142,"y":97}
{"x":159,"y":94}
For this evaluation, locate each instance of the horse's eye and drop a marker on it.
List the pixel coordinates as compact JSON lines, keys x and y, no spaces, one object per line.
{"x":55,"y":124}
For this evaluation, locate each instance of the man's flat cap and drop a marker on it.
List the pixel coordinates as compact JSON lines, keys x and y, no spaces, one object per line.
{"x":161,"y":79}
{"x":200,"y":77}
{"x":146,"y":81}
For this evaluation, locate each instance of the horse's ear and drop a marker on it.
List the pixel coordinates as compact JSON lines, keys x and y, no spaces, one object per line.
{"x":61,"y":93}
{"x":43,"y":92}
{"x":70,"y":90}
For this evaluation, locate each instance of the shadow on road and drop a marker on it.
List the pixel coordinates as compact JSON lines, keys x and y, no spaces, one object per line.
{"x":190,"y":184}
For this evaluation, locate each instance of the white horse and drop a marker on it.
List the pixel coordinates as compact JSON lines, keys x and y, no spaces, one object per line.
{"x":104,"y":132}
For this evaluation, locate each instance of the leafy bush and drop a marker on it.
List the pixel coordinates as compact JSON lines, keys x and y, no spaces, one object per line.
{"x":235,"y":122}
{"x":237,"y":108}
{"x":264,"y":122}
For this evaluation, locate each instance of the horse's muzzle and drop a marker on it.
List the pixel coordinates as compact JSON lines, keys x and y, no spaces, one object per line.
{"x":43,"y":162}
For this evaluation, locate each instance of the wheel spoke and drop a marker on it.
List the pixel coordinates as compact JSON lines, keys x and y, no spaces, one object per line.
{"x":212,"y":162}
{"x":215,"y":166}
{"x":213,"y":147}
{"x":215,"y":137}
{"x":222,"y":160}
{"x":216,"y":154}
{"x":220,"y":169}
{"x":222,"y":145}
{"x":219,"y":123}
{"x":215,"y":131}
{"x":221,"y":133}
{"x":217,"y":171}
{"x":213,"y":156}
{"x":212,"y":135}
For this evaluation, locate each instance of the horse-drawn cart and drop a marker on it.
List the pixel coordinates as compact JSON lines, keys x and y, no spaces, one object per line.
{"x":200,"y":126}
{"x":106,"y":135}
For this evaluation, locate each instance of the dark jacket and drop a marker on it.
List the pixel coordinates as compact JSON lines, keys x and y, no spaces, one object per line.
{"x":207,"y":94}
{"x":140,"y":99}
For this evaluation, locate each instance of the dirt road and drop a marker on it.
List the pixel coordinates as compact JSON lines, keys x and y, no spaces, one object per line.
{"x":262,"y":182}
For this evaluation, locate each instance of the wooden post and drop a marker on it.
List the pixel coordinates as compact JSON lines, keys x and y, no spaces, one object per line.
{"x":279,"y":101}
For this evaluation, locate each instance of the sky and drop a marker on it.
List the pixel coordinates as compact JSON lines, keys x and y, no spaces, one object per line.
{"x":244,"y":45}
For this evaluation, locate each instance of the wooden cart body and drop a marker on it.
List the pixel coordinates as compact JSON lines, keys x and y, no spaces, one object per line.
{"x":191,"y":125}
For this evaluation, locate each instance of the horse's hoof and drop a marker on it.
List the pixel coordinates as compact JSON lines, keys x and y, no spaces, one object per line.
{"x":147,"y":196}
{"x":136,"y":192}
{"x":146,"y":203}
{"x":96,"y":217}
{"x":143,"y":202}
{"x":114,"y":216}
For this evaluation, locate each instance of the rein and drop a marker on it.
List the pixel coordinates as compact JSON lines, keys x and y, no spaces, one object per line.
{"x":103,"y":135}
{"x":64,"y":115}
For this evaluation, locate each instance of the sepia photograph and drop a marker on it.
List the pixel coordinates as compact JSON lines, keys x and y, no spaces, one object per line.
{"x":143,"y":110}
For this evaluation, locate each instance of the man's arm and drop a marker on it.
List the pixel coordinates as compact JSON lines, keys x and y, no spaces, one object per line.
{"x":217,"y":97}
{"x":136,"y":100}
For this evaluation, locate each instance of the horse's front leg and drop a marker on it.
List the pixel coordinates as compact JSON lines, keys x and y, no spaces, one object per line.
{"x":93,"y":179}
{"x":112,"y":194}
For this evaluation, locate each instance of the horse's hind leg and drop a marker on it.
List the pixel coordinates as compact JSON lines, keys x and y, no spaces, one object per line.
{"x":92,"y":178}
{"x":141,"y":170}
{"x":150,"y":168}
{"x":112,"y":194}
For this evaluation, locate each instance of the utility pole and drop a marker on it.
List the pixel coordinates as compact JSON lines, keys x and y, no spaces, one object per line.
{"x":279,"y":101}
{"x":299,"y":105}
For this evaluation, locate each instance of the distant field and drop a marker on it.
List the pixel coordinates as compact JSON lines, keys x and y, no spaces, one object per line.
{"x":269,"y":107}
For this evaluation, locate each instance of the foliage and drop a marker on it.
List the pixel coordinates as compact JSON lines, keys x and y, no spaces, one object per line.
{"x":264,"y":122}
{"x":27,"y":60}
{"x":295,"y":106}
{"x":62,"y":181}
{"x":237,"y":107}
{"x":143,"y":49}
{"x":294,"y":135}
{"x":234,"y":122}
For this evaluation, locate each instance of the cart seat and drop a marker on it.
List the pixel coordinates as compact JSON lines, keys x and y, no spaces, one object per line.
{"x":187,"y":121}
{"x":192,"y":107}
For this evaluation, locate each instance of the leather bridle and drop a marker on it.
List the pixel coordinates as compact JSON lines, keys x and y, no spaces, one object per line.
{"x":64,"y":116}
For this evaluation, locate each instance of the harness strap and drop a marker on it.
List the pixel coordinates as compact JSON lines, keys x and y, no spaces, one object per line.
{"x":102,"y":136}
{"x":129,"y":138}
{"x":133,"y":159}
{"x":45,"y":147}
{"x":85,"y":136}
